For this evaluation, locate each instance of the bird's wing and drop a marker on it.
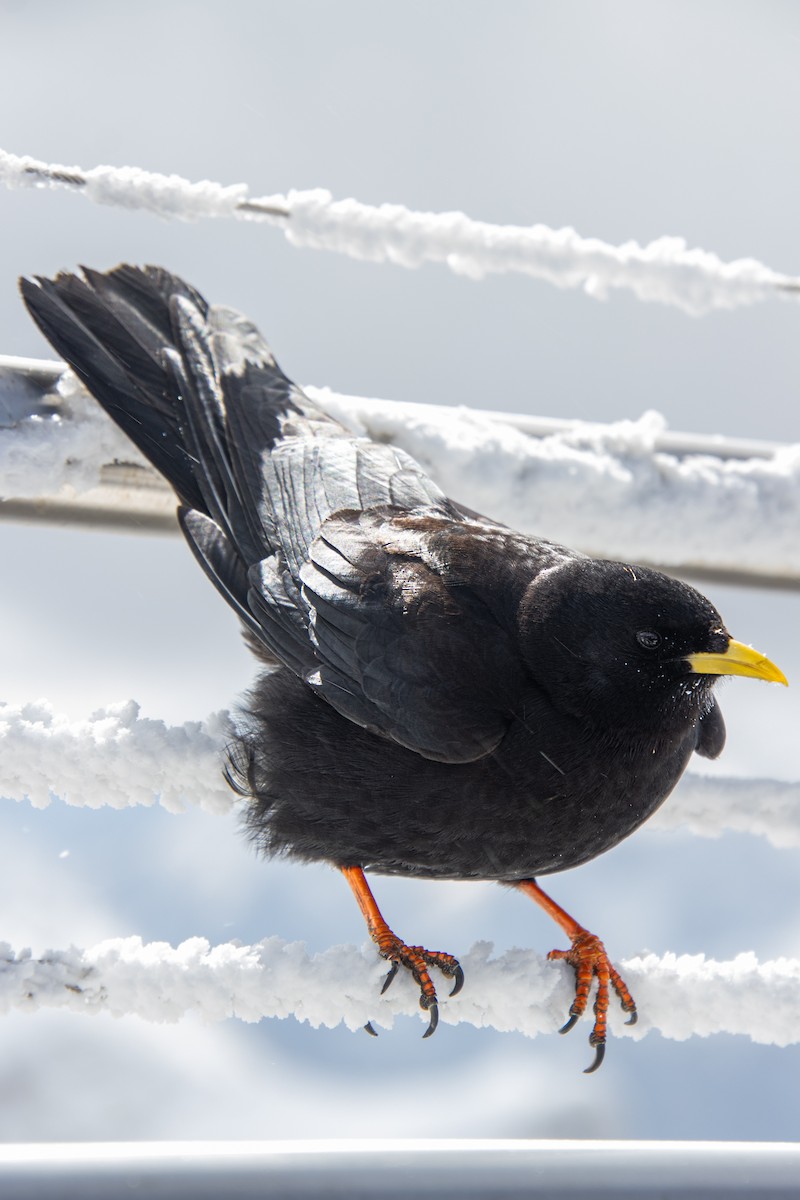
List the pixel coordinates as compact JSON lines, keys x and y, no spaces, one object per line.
{"x":275,"y":469}
{"x":257,"y":465}
{"x":398,"y":649}
{"x":281,"y":505}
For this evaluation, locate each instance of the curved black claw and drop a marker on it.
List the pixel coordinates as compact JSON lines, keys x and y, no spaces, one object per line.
{"x":370,"y":1029}
{"x":459,"y":981}
{"x":599,"y":1055}
{"x":434,"y":1021}
{"x":633,"y":1018}
{"x":571,"y":1023}
{"x":393,"y":969}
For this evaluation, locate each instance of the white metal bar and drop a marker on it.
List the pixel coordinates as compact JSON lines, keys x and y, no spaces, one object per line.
{"x":397,"y":1170}
{"x":675,"y":469}
{"x":28,"y":387}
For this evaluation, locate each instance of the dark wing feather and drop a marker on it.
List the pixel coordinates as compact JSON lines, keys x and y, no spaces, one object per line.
{"x":296,"y":521}
{"x":399,"y":649}
{"x":220,"y":561}
{"x":113,"y":330}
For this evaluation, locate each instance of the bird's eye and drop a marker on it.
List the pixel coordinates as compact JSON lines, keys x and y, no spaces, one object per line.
{"x":649,"y":639}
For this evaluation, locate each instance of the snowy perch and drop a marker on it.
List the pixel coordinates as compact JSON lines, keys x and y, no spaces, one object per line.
{"x":666,"y":270}
{"x":517,"y":991}
{"x":622,"y":490}
{"x":119,"y":759}
{"x":115,"y":758}
{"x":629,"y":490}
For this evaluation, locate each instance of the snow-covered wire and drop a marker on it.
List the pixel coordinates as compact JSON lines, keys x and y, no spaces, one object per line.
{"x":710,"y":806}
{"x":666,"y":270}
{"x":119,"y":759}
{"x":621,"y":490}
{"x":519,"y":990}
{"x":115,"y":759}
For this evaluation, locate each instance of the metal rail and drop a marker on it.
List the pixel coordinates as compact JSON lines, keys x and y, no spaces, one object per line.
{"x":363,"y":1170}
{"x":27,"y":387}
{"x":135,"y":498}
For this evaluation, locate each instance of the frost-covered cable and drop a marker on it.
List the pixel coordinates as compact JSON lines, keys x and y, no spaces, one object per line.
{"x":623,"y":490}
{"x":119,"y":759}
{"x":519,"y":991}
{"x":666,"y":270}
{"x":710,"y":806}
{"x":115,"y":758}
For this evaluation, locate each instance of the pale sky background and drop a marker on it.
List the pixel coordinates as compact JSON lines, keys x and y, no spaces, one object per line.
{"x":624,"y":119}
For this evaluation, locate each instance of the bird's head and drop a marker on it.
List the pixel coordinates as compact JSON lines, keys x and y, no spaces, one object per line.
{"x":626,"y":643}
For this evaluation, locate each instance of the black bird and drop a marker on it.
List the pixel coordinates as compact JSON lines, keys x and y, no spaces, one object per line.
{"x":445,"y":698}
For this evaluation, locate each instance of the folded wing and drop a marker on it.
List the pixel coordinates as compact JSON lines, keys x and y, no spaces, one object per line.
{"x":315,"y":537}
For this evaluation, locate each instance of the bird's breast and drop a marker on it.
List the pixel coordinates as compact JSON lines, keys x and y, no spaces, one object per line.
{"x":555,"y":792}
{"x":579,"y":791}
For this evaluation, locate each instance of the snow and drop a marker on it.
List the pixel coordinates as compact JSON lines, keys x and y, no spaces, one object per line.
{"x":709,"y":806}
{"x":115,"y":758}
{"x":164,"y":195}
{"x":119,"y":759}
{"x":606,"y":489}
{"x":519,"y":990}
{"x":665,"y":270}
{"x":168,"y":196}
{"x":61,"y":453}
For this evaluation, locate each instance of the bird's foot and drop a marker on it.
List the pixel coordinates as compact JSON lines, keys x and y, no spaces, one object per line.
{"x":417,"y":960}
{"x":589,"y":959}
{"x":413,"y":958}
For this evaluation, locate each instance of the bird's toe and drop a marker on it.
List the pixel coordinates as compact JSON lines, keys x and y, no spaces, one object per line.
{"x":589,"y":960}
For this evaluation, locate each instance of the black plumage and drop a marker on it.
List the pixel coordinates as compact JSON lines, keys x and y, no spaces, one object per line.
{"x":443,"y":697}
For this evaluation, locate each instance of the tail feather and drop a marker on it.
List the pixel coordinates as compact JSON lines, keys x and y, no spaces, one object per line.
{"x":257,"y":466}
{"x":118,"y":351}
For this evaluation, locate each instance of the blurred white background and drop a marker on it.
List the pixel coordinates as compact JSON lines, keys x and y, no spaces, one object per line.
{"x":624,"y":118}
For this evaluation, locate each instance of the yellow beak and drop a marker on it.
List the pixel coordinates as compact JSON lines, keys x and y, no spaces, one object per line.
{"x":738,"y":659}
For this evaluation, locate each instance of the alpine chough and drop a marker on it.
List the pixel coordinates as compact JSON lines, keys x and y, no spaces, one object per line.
{"x":443,"y":697}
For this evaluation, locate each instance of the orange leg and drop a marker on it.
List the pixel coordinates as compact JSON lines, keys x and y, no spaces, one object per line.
{"x":589,"y":959}
{"x":415,"y":958}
